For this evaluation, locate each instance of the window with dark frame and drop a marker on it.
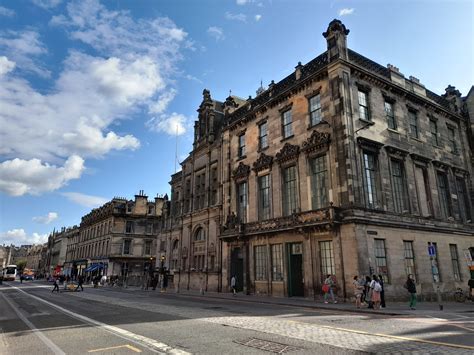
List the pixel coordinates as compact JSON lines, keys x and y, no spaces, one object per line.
{"x":435,"y":272}
{"x":242,"y":151}
{"x":452,"y":140}
{"x":318,"y":182}
{"x":363,"y":98}
{"x":423,"y":191}
{"x":453,"y":248}
{"x":215,"y":186}
{"x":370,"y":172}
{"x":413,"y":121}
{"x":287,"y":121}
{"x":326,"y":255}
{"x":260,"y":252}
{"x":126,"y":247}
{"x":464,"y":208}
{"x":242,"y":201}
{"x":290,"y":193}
{"x":277,"y":262}
{"x":129,"y":227}
{"x":263,"y":135}
{"x":381,"y":267}
{"x":264,"y":197}
{"x":434,"y":132}
{"x":148,"y":247}
{"x":409,"y":255}
{"x":400,"y":198}
{"x":444,"y":199}
{"x":315,"y":109}
{"x":390,"y":115}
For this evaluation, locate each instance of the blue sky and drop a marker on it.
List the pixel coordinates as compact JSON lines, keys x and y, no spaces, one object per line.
{"x":92,"y":93}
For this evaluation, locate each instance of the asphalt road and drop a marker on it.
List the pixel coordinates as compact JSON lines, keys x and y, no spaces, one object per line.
{"x":116,"y":321}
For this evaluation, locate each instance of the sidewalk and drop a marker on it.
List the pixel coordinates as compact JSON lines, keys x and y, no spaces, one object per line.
{"x":393,"y":308}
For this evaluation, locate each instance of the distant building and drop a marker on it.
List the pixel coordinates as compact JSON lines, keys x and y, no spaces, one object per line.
{"x":344,"y":167}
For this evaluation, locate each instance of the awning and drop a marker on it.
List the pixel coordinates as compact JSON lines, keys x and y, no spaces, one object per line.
{"x":94,"y":267}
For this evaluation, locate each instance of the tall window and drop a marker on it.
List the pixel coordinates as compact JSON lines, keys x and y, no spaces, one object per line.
{"x":277,"y":262}
{"x":199,"y":236}
{"x":409,"y":258}
{"x":318,"y":182}
{"x":242,"y":201}
{"x":327,"y":258}
{"x":290,"y":196}
{"x":453,"y":248}
{"x":434,"y":132}
{"x":452,"y":140}
{"x":444,"y":200}
{"x":422,"y":188}
{"x":463,"y":199}
{"x":126,"y":246}
{"x":148,"y":247}
{"x":413,"y":120}
{"x":215,"y":186}
{"x":241,"y":152}
{"x":260,"y":262}
{"x":264,"y":197}
{"x":370,"y":171}
{"x":129,"y":227}
{"x":287,"y":120}
{"x":400,"y":198}
{"x":434,"y":263}
{"x":390,"y":115}
{"x":363,"y":98}
{"x":263,"y":135}
{"x":381,"y":259}
{"x":315,"y":109}
{"x":200,"y":190}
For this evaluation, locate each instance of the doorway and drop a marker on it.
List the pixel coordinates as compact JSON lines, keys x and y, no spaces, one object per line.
{"x":295,"y":269}
{"x":237,"y":268}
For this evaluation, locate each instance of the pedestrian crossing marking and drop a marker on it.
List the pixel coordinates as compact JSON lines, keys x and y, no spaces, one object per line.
{"x":116,"y":347}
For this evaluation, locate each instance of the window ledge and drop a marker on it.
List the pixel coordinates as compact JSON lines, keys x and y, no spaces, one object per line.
{"x":242,"y":157}
{"x":262,"y":149}
{"x":322,"y":122}
{"x":416,"y":139}
{"x":287,"y":138}
{"x":391,"y":130}
{"x":366,"y":121}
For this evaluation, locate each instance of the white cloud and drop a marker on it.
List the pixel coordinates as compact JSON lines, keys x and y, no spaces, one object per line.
{"x":258,"y":17}
{"x":193,"y":78}
{"x":6,"y":65}
{"x":19,"y":237}
{"x":85,"y":200}
{"x":162,"y":103}
{"x":6,"y":12}
{"x":19,"y":177}
{"x":51,"y":216}
{"x":346,"y":11}
{"x":22,"y":47}
{"x":235,"y":17}
{"x":171,"y":124}
{"x":242,"y":2}
{"x":216,"y":32}
{"x":46,"y":4}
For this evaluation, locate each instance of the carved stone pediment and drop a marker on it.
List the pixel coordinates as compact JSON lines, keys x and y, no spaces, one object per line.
{"x":316,"y":141}
{"x":396,"y":152}
{"x":440,"y":165}
{"x":242,"y":171}
{"x":368,"y":144}
{"x":461,"y":172}
{"x":287,"y":153}
{"x":420,"y":158}
{"x":263,"y":162}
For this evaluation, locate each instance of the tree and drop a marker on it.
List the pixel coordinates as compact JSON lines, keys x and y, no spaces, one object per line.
{"x":21,"y":265}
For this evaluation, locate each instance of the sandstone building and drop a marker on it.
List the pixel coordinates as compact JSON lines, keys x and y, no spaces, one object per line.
{"x":344,"y":167}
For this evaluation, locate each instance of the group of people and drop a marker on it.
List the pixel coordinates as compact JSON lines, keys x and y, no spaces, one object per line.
{"x":369,"y":291}
{"x":66,"y":280}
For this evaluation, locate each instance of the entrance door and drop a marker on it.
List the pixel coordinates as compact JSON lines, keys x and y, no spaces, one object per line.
{"x":295,"y":269}
{"x":237,"y":268}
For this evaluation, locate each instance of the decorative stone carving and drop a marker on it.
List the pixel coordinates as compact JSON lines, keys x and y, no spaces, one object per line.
{"x":420,"y":158}
{"x":263,"y":162}
{"x":440,"y":165}
{"x":316,"y":141}
{"x":369,"y":144}
{"x":241,"y":172}
{"x":287,"y":153}
{"x":396,"y":152}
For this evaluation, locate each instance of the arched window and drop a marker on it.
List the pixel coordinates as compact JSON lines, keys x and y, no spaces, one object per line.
{"x":199,"y":235}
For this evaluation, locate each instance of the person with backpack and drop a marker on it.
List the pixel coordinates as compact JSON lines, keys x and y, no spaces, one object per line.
{"x":328,"y":286}
{"x":368,"y":293}
{"x":376,"y":290}
{"x":411,"y":288}
{"x":382,"y":293}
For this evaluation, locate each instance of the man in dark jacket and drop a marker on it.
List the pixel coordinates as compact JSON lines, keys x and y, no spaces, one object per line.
{"x":80,"y":281}
{"x":411,"y":288}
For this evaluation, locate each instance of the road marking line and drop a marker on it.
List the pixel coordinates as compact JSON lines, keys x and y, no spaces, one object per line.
{"x":401,"y":338}
{"x":116,"y":347}
{"x":124,"y":334}
{"x":53,"y":347}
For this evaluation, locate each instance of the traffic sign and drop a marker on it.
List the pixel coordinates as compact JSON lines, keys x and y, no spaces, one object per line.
{"x":431,"y":250}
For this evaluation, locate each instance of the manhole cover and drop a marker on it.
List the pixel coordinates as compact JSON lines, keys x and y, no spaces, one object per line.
{"x":267,"y":345}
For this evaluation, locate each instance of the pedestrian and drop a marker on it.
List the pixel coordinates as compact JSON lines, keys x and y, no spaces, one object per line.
{"x":233,"y":282}
{"x":376,"y":290}
{"x":56,"y":285}
{"x":411,"y":288}
{"x":368,"y":292}
{"x":382,"y":294}
{"x":328,"y":289}
{"x":165,"y":282}
{"x":21,"y":278}
{"x":103,"y":280}
{"x":80,"y":281}
{"x":358,"y":289}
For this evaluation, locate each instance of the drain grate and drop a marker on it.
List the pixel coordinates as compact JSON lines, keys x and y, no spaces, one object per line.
{"x":267,"y":345}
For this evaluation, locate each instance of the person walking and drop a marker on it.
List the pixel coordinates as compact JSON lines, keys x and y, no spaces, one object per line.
{"x":21,"y":278}
{"x":358,"y":289}
{"x":411,"y":288}
{"x":376,"y":290}
{"x":80,"y":281}
{"x":56,"y":285}
{"x":368,"y":292}
{"x":382,"y":293}
{"x":233,"y":282}
{"x":328,"y":289}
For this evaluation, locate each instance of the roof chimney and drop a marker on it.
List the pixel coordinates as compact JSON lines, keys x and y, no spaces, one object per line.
{"x":336,"y":37}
